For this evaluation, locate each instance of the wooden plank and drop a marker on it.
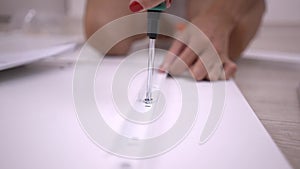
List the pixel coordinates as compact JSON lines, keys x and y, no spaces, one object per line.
{"x":287,"y":137}
{"x":271,"y":90}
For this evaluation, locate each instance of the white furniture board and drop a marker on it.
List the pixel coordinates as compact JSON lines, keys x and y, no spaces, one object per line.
{"x":17,"y":48}
{"x":39,"y":128}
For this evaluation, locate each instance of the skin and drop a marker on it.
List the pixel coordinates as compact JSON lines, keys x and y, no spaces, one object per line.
{"x":229,"y":24}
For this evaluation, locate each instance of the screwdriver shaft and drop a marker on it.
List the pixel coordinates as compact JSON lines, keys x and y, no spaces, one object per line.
{"x":150,"y":70}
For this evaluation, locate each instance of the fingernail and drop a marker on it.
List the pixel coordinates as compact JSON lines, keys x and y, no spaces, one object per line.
{"x":162,"y":70}
{"x":181,"y":27}
{"x":168,"y":3}
{"x":135,"y":6}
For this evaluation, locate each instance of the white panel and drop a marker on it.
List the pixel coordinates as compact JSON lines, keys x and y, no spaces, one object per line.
{"x":41,"y":6}
{"x":282,"y":12}
{"x":76,"y":8}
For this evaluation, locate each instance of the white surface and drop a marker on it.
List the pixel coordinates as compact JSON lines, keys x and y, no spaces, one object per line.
{"x":39,"y":128}
{"x":272,"y":56}
{"x":282,"y":12}
{"x":19,"y":48}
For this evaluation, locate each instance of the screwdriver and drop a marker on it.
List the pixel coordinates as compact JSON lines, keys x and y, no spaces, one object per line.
{"x":153,"y":16}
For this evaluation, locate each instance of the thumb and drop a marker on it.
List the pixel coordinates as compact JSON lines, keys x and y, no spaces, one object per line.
{"x":141,"y":5}
{"x":230,"y":69}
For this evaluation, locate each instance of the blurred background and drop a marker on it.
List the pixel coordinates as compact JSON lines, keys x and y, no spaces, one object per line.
{"x":281,"y":22}
{"x":41,"y":15}
{"x":268,"y":73}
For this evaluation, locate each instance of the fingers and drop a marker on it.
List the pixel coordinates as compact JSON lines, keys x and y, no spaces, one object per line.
{"x":198,"y":70}
{"x":185,"y":60}
{"x":181,"y":57}
{"x":168,"y":3}
{"x":141,"y":5}
{"x":230,"y":69}
{"x":174,"y":51}
{"x":210,"y":66}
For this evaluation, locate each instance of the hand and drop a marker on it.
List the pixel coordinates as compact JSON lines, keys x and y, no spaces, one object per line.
{"x":196,"y":52}
{"x":141,"y":5}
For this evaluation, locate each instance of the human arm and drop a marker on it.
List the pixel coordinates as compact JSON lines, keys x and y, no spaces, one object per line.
{"x":229,"y":25}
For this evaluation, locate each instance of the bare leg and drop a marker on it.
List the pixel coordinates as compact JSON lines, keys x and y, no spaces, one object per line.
{"x":242,"y":33}
{"x":100,"y":12}
{"x":246,"y":29}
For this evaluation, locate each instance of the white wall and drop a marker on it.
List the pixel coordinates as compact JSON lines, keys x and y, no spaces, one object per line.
{"x":76,"y":8}
{"x":10,"y":7}
{"x":278,"y":11}
{"x":283,"y":12}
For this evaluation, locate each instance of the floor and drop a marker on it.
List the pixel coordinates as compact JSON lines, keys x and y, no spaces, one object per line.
{"x":284,"y":38}
{"x":271,"y":90}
